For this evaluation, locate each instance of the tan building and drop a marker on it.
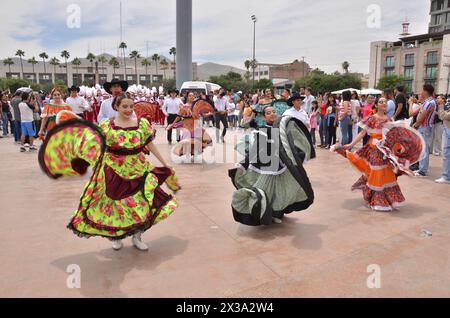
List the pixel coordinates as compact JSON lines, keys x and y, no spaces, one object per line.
{"x":86,"y":72}
{"x":282,"y":72}
{"x":421,"y":59}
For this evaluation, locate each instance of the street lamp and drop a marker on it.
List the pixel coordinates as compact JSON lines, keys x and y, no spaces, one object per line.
{"x":254,"y":19}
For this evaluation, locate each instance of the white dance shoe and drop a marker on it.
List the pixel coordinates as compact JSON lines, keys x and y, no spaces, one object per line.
{"x":137,"y":242}
{"x":117,"y":245}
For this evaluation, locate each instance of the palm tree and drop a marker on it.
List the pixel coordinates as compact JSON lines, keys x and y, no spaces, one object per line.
{"x":115,"y":64}
{"x":247,"y":64}
{"x":146,"y":63}
{"x":91,"y":58}
{"x":76,"y":62}
{"x":20,"y":54}
{"x":123,"y":46}
{"x":9,"y":61}
{"x":65,"y":54}
{"x":55,"y":62}
{"x":173,"y":51}
{"x":253,"y":65}
{"x":135,"y":55}
{"x":345,"y":66}
{"x":44,"y":56}
{"x":156,"y":58}
{"x":164,"y":63}
{"x":102,"y":59}
{"x":33,"y":62}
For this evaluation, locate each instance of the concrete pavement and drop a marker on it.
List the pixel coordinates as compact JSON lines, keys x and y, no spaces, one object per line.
{"x":201,"y":252}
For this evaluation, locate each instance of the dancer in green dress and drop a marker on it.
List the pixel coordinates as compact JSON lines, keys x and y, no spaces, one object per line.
{"x":124,"y":195}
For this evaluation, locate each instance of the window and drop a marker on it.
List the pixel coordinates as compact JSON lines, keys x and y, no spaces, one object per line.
{"x":409,"y":72}
{"x":447,"y":16}
{"x":266,"y":72}
{"x":409,"y":86}
{"x":430,"y":72}
{"x":436,"y":19}
{"x":390,"y":72}
{"x":390,"y":61}
{"x":46,"y":77}
{"x":409,"y":59}
{"x":432,"y":57}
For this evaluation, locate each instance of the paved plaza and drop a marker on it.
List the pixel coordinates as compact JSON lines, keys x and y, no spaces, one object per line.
{"x":200,"y":251}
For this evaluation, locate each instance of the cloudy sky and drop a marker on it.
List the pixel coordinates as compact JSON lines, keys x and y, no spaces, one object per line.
{"x":325,"y":32}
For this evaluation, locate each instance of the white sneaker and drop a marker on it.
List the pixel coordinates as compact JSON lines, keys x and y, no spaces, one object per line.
{"x":117,"y":245}
{"x":277,"y":220}
{"x":442,"y":181}
{"x":138,"y":243}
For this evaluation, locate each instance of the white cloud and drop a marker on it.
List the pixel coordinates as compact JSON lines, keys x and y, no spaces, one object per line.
{"x":325,"y":32}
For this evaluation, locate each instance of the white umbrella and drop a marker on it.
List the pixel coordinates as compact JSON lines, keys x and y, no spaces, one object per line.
{"x":371,"y":91}
{"x":347,"y":89}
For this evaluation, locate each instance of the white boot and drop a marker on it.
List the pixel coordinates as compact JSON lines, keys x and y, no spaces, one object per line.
{"x":117,"y":245}
{"x":138,"y":243}
{"x":277,"y":220}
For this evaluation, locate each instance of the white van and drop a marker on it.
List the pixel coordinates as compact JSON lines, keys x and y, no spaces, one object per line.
{"x":199,"y":87}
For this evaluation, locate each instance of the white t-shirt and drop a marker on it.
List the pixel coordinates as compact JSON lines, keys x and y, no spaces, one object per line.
{"x":26,"y":114}
{"x":298,"y":114}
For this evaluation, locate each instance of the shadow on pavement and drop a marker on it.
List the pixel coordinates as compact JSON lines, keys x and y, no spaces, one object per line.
{"x":103,"y":272}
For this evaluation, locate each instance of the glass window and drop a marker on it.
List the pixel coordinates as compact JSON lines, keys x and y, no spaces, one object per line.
{"x":430,"y":72}
{"x":440,"y":4}
{"x":409,"y":86}
{"x":432,"y":57}
{"x":409,"y":72}
{"x":390,"y":61}
{"x":436,"y":19}
{"x":409,"y":59}
{"x":390,"y":72}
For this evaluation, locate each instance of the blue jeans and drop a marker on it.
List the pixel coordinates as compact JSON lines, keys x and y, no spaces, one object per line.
{"x":5,"y":123}
{"x":446,"y":153}
{"x":17,"y":130}
{"x":345,"y":130}
{"x":323,"y":130}
{"x":426,"y":133}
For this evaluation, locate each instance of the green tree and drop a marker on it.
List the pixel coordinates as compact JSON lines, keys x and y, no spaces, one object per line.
{"x":20,"y":54}
{"x":156,"y":58}
{"x":103,"y":60}
{"x":169,"y":84}
{"x":66,"y":55}
{"x":123,"y":47}
{"x":91,"y":58}
{"x":76,"y":62}
{"x":33,"y":62}
{"x":247,"y":64}
{"x":263,"y":84}
{"x":8,"y":62}
{"x":114,"y":62}
{"x":173,"y":51}
{"x":390,"y":82}
{"x":231,"y":81}
{"x":328,"y":83}
{"x":164,"y":65}
{"x":345,"y":66}
{"x":146,"y":63}
{"x":135,"y":55}
{"x":44,"y":57}
{"x":55,"y":62}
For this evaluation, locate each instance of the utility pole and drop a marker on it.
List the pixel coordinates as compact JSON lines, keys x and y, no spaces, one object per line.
{"x":184,"y":42}
{"x":254,"y":19}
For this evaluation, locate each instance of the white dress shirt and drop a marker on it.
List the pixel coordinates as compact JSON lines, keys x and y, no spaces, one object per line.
{"x":106,"y":111}
{"x":172,"y":106}
{"x":307,"y":103}
{"x":222,"y":104}
{"x":79,"y":104}
{"x":298,"y":114}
